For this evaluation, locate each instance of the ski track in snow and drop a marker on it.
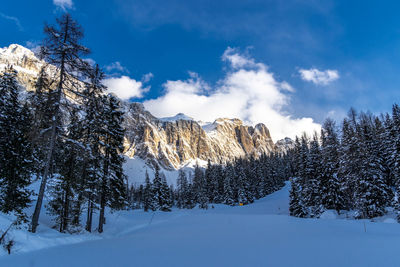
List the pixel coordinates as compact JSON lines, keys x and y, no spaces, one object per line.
{"x":260,"y":234}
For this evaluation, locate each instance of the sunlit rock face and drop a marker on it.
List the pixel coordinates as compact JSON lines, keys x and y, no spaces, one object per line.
{"x":175,"y":142}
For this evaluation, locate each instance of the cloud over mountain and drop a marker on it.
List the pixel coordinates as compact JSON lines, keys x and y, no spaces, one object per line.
{"x":248,"y":91}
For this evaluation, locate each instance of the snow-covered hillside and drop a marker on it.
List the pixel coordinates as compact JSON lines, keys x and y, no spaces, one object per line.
{"x":261,"y":234}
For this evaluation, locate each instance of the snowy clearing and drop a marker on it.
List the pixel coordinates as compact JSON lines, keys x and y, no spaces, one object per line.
{"x":261,"y":234}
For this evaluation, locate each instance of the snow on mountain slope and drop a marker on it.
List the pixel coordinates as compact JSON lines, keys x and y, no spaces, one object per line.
{"x":177,"y":117}
{"x":261,"y":234}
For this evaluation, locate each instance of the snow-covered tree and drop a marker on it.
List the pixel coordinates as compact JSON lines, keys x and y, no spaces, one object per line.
{"x":15,"y":147}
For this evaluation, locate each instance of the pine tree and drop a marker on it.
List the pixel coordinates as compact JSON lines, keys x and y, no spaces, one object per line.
{"x":296,"y":205}
{"x":62,"y":49}
{"x":200,"y":187}
{"x":182,"y":189}
{"x":228,"y":197}
{"x":148,"y":194}
{"x":349,"y":161}
{"x":15,"y":148}
{"x":331,"y":183}
{"x":165,"y":194}
{"x":112,"y":189}
{"x":372,"y":191}
{"x":93,"y":130}
{"x":311,"y":193}
{"x":242,"y":185}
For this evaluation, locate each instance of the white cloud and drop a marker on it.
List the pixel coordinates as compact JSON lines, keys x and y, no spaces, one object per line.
{"x":232,"y":56}
{"x":64,"y":4}
{"x":116,"y":66}
{"x":125,"y":87}
{"x":13,"y":19}
{"x":147,"y":77}
{"x":248,"y":91}
{"x":319,"y":77}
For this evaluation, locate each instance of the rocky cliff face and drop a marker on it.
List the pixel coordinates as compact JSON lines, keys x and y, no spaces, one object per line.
{"x":177,"y":142}
{"x":172,"y":142}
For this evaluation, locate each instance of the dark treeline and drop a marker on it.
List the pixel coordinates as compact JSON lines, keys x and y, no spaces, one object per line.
{"x":66,"y":134}
{"x":242,"y":181}
{"x":352,"y":167}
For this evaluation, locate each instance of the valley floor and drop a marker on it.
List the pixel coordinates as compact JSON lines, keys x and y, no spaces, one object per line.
{"x":261,"y":234}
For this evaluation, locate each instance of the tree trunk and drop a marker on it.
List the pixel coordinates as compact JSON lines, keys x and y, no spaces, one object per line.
{"x":101,"y":215}
{"x":65,"y":210}
{"x":89,"y":216}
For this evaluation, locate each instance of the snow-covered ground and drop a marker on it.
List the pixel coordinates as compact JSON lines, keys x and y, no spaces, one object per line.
{"x":261,"y":234}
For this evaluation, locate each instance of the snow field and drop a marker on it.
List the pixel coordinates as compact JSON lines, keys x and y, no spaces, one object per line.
{"x":260,"y":234}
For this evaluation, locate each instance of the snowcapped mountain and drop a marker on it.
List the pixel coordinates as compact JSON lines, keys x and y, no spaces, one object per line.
{"x":284,"y":145}
{"x":178,"y":141}
{"x":173,"y":142}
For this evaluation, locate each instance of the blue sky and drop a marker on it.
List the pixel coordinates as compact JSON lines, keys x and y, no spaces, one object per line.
{"x":183,"y":43}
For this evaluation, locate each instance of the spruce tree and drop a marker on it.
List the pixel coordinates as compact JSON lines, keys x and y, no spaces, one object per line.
{"x":147,"y":194}
{"x":312,"y":189}
{"x":228,"y":197}
{"x":372,"y":191}
{"x":94,"y":108}
{"x":296,"y":205}
{"x":331,"y":183}
{"x":112,"y":189}
{"x":15,"y":147}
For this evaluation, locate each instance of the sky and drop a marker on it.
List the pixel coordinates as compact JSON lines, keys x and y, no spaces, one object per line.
{"x":289,"y":64}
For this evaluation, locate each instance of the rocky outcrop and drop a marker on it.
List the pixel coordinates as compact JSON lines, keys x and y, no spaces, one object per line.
{"x":284,"y":145}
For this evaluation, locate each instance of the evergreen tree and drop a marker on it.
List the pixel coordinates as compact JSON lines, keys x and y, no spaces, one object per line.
{"x":182,"y":189}
{"x":242,"y":185}
{"x":61,"y":48}
{"x":200,"y":188}
{"x":331,"y":184}
{"x":147,"y":194}
{"x":312,"y":198}
{"x":165,"y":195}
{"x":228,"y":197}
{"x":296,"y":205}
{"x":15,"y":148}
{"x":112,"y":189}
{"x":93,"y":130}
{"x":372,"y":192}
